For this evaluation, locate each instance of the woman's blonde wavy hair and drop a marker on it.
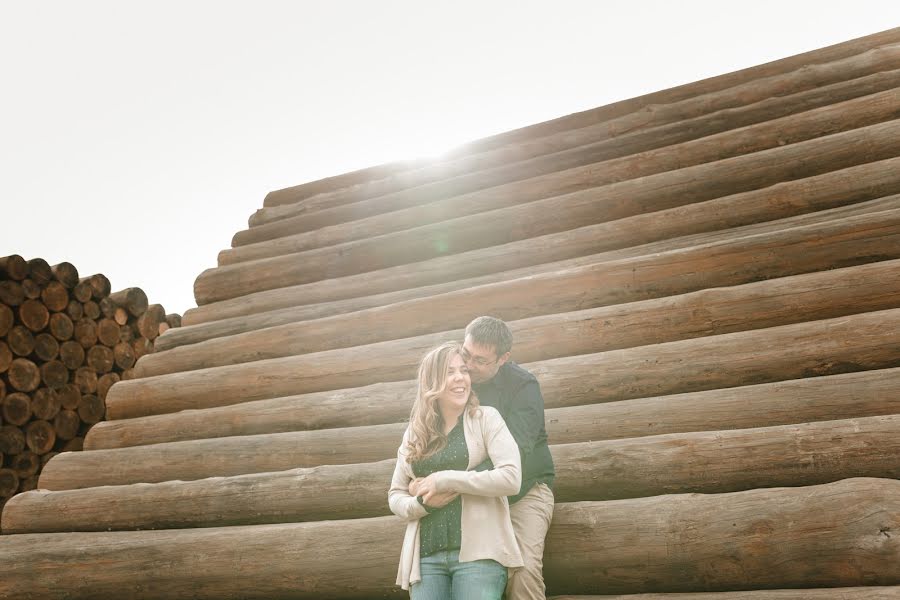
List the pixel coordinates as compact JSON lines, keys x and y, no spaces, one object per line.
{"x":426,"y":424}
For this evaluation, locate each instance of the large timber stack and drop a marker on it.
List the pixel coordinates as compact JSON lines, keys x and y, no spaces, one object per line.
{"x":706,"y":280}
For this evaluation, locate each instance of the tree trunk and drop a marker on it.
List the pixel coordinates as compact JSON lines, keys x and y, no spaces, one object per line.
{"x":820,"y":536}
{"x":134,"y":300}
{"x":614,"y":201}
{"x":13,"y":267}
{"x":435,"y":241}
{"x":706,"y":312}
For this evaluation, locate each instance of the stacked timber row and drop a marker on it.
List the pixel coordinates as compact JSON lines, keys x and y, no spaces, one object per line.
{"x":706,"y":281}
{"x":64,"y":342}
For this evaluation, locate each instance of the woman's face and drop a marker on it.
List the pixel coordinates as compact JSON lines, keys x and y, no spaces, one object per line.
{"x":457,"y":386}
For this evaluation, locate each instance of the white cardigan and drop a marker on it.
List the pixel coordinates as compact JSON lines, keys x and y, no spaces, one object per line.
{"x":487,"y":531}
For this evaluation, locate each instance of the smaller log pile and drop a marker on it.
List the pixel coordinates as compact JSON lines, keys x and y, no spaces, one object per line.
{"x":64,"y":341}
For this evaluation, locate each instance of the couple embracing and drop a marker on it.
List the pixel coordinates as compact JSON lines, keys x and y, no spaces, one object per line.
{"x":474,"y":474}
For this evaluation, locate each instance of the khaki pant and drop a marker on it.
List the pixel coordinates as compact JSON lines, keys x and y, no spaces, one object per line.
{"x":531,"y":518}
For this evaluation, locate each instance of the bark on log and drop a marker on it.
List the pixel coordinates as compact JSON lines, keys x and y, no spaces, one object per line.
{"x":707,"y":312}
{"x":46,"y":347}
{"x":625,"y":198}
{"x":13,"y":267}
{"x":55,"y":296}
{"x":66,"y":274}
{"x":16,"y":408}
{"x":820,"y":536}
{"x":7,"y":319}
{"x":61,"y":326}
{"x":105,"y":382}
{"x":828,"y":120}
{"x":582,"y":146}
{"x":869,"y":393}
{"x":703,"y":462}
{"x":134,"y":300}
{"x":148,"y":323}
{"x":100,"y":286}
{"x":71,"y":354}
{"x":11,"y":293}
{"x":39,"y":270}
{"x":446,"y":269}
{"x":23,"y":375}
{"x":83,"y":291}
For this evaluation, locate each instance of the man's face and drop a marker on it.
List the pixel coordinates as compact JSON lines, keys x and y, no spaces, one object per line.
{"x":482,"y":360}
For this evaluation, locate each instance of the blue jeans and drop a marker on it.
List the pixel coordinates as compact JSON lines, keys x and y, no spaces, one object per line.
{"x":445,"y":578}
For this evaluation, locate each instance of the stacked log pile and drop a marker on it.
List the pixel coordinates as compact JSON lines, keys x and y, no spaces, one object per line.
{"x":705,"y":280}
{"x":64,"y":342}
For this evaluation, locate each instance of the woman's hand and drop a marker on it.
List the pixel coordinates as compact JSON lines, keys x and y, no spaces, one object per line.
{"x":427,"y":488}
{"x":414,"y":486}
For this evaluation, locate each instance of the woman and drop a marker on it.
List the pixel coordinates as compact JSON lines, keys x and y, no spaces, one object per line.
{"x":459,"y":538}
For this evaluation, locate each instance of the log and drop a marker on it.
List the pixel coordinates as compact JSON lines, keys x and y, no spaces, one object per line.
{"x":86,"y":380}
{"x":91,"y":409}
{"x":86,"y":332}
{"x":571,"y":290}
{"x":21,"y":340}
{"x":623,"y":375}
{"x":45,"y":346}
{"x":66,"y":274}
{"x":2,"y":395}
{"x":54,"y":374}
{"x":39,"y":271}
{"x":123,"y":354}
{"x":61,"y":326}
{"x":25,"y":464}
{"x":7,"y":319}
{"x":31,"y":289}
{"x":71,"y":354}
{"x":55,"y":296}
{"x":16,"y":408}
{"x":840,"y":593}
{"x":105,"y":382}
{"x":148,"y":323}
{"x":820,"y":536}
{"x":12,"y":440}
{"x":11,"y":293}
{"x":108,"y":308}
{"x":617,"y":200}
{"x":91,"y":310}
{"x":173,"y":320}
{"x":74,"y":445}
{"x":28,"y":484}
{"x":9,"y":483}
{"x":869,"y":393}
{"x":100,"y":358}
{"x":100,"y":286}
{"x":141,"y":346}
{"x":23,"y":375}
{"x":134,"y":300}
{"x":446,"y":269}
{"x":126,"y":334}
{"x":40,"y":437}
{"x":108,"y":332}
{"x":13,"y":267}
{"x":435,"y":240}
{"x":75,"y":310}
{"x":83,"y":291}
{"x":6,"y":356}
{"x":34,"y":315}
{"x":574,"y":148}
{"x":69,"y":396}
{"x":65,"y":424}
{"x":45,"y":403}
{"x":704,"y":462}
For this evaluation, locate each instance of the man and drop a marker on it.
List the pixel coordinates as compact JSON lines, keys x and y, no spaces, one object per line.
{"x":516,"y":394}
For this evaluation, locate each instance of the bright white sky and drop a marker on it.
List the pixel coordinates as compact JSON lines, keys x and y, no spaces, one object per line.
{"x":137,"y":137}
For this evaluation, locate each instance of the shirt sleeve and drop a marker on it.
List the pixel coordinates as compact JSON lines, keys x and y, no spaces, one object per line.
{"x":525,"y":417}
{"x":401,"y":502}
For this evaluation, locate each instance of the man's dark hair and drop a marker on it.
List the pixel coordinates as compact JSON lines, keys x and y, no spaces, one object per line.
{"x":491,"y":331}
